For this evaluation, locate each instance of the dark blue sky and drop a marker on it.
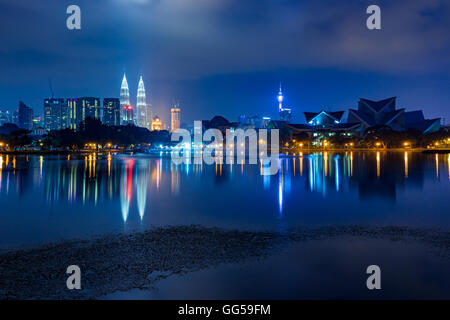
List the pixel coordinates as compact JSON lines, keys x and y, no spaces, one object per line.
{"x":227,"y":56}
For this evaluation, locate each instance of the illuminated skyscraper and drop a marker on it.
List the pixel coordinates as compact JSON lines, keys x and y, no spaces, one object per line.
{"x":75,"y":112}
{"x":141,"y":106}
{"x":149,"y":116}
{"x":90,"y":107}
{"x":175,"y":117}
{"x":56,"y":114}
{"x":285,"y":113}
{"x":111,"y":111}
{"x":124,"y":98}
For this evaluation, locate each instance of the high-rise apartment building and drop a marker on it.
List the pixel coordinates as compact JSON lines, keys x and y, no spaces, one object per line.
{"x":90,"y":107}
{"x":56,"y":114}
{"x":25,"y":116}
{"x":74,"y":111}
{"x":111,"y":111}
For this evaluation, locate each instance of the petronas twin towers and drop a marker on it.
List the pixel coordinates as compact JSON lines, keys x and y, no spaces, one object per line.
{"x":142,"y":116}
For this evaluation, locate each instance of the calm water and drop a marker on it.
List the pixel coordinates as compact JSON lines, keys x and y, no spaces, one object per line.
{"x":48,"y":198}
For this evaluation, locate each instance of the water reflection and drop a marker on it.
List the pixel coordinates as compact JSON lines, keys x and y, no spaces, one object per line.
{"x":406,"y":164}
{"x":127,"y":188}
{"x":133,"y":182}
{"x":142,"y":181}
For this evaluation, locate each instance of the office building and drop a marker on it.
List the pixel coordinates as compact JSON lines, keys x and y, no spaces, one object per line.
{"x":56,"y":114}
{"x":111,"y":111}
{"x":141,"y":106}
{"x":25,"y":116}
{"x":175,"y":117}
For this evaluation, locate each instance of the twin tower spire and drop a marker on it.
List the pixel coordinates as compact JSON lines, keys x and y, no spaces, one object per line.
{"x":142,"y":116}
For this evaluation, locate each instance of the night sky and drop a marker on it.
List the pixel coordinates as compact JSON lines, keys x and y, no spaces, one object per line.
{"x":228,"y":56}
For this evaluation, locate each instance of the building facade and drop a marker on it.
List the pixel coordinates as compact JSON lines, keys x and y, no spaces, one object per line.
{"x":175,"y":117}
{"x":5,"y":117}
{"x":111,"y":111}
{"x":90,"y":107}
{"x":156,"y":124}
{"x":74,"y":111}
{"x":56,"y":114}
{"x":25,"y":116}
{"x":141,"y":106}
{"x":125,"y":101}
{"x":127,"y":115}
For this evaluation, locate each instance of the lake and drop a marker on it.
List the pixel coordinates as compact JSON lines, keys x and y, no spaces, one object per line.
{"x":54,"y":198}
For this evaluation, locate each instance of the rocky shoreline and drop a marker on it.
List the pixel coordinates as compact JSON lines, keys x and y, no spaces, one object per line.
{"x":126,"y":261}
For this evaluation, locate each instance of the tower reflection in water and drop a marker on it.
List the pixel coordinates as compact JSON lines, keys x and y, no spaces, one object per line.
{"x":97,"y":179}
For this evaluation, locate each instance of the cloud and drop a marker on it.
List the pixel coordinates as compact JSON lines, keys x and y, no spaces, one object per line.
{"x":196,"y":38}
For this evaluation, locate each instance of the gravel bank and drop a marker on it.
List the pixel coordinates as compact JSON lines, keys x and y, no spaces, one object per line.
{"x":127,"y":261}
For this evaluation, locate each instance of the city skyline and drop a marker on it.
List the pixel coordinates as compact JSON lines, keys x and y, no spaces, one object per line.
{"x":324,"y":55}
{"x":62,"y":113}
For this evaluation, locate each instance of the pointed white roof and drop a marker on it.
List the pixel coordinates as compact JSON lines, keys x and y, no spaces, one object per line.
{"x":124,"y":81}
